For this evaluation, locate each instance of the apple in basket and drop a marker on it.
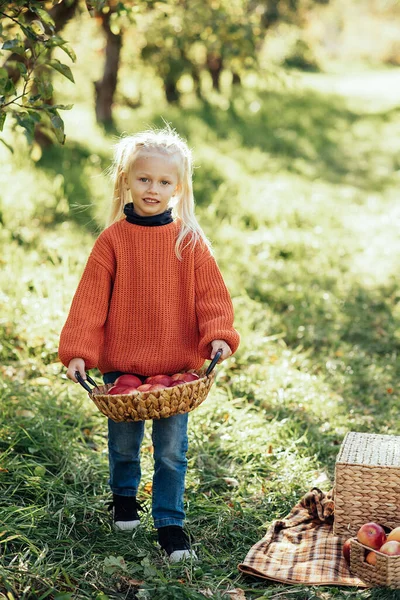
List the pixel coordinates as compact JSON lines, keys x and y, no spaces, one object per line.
{"x":394,"y":535}
{"x":177,"y":382}
{"x":187,"y":377}
{"x":371,"y":535}
{"x":164,"y":380}
{"x":128,"y":381}
{"x":392,"y":548}
{"x":145,"y":387}
{"x":116,"y":390}
{"x":155,"y":387}
{"x":346,"y":550}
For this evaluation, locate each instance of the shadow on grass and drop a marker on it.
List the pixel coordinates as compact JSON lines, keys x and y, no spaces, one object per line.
{"x":306,"y":132}
{"x":76,"y":164}
{"x":354,"y":346}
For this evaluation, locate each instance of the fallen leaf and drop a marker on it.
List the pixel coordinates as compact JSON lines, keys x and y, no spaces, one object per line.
{"x":236,"y":594}
{"x":27,"y":414}
{"x":231,"y":481}
{"x":207,"y":593}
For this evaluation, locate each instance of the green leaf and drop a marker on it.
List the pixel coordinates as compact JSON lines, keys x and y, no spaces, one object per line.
{"x":7,"y":87}
{"x":44,"y":88}
{"x":58,"y":127}
{"x":13,"y":45}
{"x":3,"y":115}
{"x":61,"y":68}
{"x":22,"y":69}
{"x":37,"y":27}
{"x":44,"y":15}
{"x":28,"y":123}
{"x":55,"y":107}
{"x":3,"y":74}
{"x":113,"y":564}
{"x":70,"y":51}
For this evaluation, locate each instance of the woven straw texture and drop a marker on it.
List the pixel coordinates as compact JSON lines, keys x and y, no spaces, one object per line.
{"x":367,"y":482}
{"x":159,"y":404}
{"x":386,"y":572}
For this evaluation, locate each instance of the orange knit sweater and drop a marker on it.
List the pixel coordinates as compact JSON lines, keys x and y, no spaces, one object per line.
{"x":139,"y":309}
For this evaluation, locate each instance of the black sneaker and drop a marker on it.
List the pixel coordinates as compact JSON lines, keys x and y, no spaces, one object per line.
{"x":176,"y":543}
{"x":125,"y":512}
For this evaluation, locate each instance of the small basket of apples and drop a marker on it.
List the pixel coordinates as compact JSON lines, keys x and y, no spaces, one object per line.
{"x":158,"y":397}
{"x":374,"y":555}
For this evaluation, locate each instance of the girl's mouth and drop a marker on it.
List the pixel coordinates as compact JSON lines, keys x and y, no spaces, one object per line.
{"x":150,"y":201}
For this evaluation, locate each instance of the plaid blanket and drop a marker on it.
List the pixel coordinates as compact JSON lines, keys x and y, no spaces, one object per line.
{"x":302,"y":548}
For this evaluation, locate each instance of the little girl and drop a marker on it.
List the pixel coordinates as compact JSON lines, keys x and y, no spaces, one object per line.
{"x":151,"y":300}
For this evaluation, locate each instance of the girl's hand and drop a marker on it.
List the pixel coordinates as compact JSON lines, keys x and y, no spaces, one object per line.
{"x":220,"y":345}
{"x":76,"y":364}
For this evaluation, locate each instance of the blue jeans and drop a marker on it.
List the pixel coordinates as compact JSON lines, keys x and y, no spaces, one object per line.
{"x":170,"y":442}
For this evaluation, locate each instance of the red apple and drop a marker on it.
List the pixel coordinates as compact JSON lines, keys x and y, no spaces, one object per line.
{"x":394,"y":535}
{"x":190,"y":376}
{"x":346,"y":550}
{"x":177,"y":382}
{"x":371,"y":535}
{"x":176,"y":376}
{"x":165,"y":380}
{"x":392,"y":548}
{"x":120,"y":389}
{"x":144,"y":387}
{"x":371,"y":558}
{"x":128,"y":380}
{"x":157,"y":386}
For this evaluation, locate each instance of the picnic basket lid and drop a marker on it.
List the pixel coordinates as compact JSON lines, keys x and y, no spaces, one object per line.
{"x":370,"y":449}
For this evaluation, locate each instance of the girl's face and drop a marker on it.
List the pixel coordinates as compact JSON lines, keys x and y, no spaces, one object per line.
{"x":152,"y":180}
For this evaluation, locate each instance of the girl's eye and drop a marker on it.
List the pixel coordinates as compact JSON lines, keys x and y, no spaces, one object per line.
{"x":165,"y":182}
{"x":144,"y":179}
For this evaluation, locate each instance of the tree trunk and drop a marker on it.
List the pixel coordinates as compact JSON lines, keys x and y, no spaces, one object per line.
{"x":62,"y":13}
{"x":105,"y":88}
{"x":214,"y":66}
{"x":236,"y":78}
{"x":171,"y":91}
{"x":196,"y":82}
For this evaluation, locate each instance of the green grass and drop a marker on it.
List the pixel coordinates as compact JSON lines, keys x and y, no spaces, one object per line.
{"x":297,"y":190}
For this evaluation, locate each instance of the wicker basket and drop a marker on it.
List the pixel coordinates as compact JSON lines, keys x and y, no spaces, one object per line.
{"x":160,"y":404}
{"x":386,"y":571}
{"x":367,"y":482}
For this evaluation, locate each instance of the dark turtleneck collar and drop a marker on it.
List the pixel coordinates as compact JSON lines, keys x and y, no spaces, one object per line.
{"x":163,"y":219}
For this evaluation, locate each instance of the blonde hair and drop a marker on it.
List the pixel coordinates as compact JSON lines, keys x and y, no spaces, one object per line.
{"x":167,"y":141}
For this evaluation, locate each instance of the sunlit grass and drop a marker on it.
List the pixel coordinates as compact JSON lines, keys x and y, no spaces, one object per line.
{"x":298,"y":193}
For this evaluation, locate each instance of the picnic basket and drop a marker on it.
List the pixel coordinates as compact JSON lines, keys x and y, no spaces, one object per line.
{"x":386,"y":571}
{"x":141,"y":406}
{"x":367,"y":482}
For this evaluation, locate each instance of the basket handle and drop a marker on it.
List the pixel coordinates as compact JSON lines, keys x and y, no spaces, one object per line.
{"x":214,"y":362}
{"x":83,"y":382}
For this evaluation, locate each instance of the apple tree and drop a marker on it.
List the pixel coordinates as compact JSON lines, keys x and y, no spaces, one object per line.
{"x":30,"y":33}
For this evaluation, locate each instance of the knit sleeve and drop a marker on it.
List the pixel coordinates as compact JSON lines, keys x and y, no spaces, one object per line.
{"x":213,"y":307}
{"x":82,"y":334}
